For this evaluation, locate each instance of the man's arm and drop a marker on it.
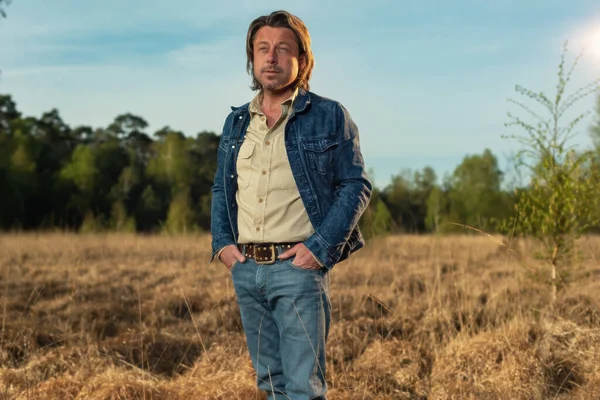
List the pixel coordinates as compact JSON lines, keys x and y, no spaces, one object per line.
{"x":220,"y":225}
{"x":353,"y":192}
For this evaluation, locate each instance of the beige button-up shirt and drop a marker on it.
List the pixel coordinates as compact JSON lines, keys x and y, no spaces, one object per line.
{"x":269,"y":205}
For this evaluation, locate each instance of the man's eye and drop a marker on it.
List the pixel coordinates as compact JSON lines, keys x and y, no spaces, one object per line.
{"x":283,"y":49}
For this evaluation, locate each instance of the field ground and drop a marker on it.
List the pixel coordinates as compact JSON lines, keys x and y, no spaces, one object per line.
{"x":134,"y":317}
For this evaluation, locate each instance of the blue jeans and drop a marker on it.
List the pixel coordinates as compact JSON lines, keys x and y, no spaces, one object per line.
{"x":285,"y":314}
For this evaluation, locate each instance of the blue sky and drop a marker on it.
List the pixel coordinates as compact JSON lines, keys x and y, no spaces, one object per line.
{"x":426,"y":82}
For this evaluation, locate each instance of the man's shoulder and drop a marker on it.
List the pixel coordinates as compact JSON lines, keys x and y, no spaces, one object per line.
{"x":323,"y":100}
{"x":239,"y":109}
{"x":328,"y":106}
{"x":323,"y":103}
{"x":235,"y":111}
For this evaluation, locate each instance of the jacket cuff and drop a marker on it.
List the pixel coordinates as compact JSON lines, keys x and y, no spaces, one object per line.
{"x":324,"y":253}
{"x":218,"y":253}
{"x":317,"y":259}
{"x":218,"y":244}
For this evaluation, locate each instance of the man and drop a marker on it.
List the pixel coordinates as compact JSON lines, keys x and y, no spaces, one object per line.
{"x":289,"y":190}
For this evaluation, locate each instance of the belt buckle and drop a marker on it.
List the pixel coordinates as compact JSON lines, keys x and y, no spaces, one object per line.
{"x":264,"y":260}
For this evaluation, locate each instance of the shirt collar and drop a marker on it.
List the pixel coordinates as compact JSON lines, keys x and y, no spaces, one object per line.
{"x":254,"y":106}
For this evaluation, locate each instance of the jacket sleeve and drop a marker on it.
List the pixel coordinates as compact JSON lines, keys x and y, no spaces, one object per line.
{"x":352,"y":194}
{"x":220,"y":224}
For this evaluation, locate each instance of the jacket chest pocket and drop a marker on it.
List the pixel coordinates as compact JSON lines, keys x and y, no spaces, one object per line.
{"x":319,"y":154}
{"x":244,"y":164}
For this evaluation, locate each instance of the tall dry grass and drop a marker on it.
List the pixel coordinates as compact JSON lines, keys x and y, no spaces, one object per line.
{"x":134,"y":317}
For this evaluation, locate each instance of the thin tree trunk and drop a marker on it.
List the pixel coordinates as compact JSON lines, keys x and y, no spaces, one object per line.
{"x":553,"y":276}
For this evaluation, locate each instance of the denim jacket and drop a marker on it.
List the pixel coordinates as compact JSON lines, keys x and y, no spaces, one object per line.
{"x":322,"y":145}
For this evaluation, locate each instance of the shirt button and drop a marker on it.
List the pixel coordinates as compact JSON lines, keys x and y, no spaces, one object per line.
{"x":257,"y":229}
{"x":264,"y":172}
{"x":260,"y":200}
{"x":268,"y":143}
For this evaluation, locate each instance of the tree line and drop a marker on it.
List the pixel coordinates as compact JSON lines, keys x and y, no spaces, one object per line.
{"x":123,"y":178}
{"x":112,"y":178}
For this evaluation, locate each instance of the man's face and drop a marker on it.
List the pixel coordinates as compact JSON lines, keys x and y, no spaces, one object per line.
{"x":276,"y":58}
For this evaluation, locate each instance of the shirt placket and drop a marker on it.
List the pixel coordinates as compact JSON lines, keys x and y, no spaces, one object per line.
{"x":266,"y":157}
{"x":261,"y":190}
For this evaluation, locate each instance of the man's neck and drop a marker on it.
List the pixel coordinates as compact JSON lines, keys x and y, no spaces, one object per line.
{"x":271,"y":100}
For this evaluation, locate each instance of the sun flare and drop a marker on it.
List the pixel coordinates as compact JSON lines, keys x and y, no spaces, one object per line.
{"x":586,"y":38}
{"x":595,"y":43}
{"x":589,"y":40}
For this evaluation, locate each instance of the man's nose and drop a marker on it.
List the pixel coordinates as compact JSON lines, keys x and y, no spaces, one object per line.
{"x":272,"y":57}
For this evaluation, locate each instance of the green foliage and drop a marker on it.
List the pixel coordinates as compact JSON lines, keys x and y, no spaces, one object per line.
{"x":595,"y":128}
{"x":180,"y":218}
{"x":397,"y":196}
{"x":376,"y":220}
{"x":82,"y":169}
{"x":90,"y":179}
{"x":437,"y":206}
{"x":172,"y":166}
{"x":476,"y":198}
{"x":120,"y":221}
{"x":562,"y":200}
{"x":150,"y":209}
{"x":561,"y":204}
{"x":91,"y":224}
{"x":382,"y":220}
{"x":21,"y":161}
{"x":406,"y":198}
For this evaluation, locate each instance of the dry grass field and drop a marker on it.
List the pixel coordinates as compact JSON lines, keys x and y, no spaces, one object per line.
{"x":133,"y":317}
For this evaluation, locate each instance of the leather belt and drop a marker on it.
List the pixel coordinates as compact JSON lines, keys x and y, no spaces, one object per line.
{"x":264,"y":253}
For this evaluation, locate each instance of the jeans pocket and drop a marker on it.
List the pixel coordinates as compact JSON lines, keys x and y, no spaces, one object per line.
{"x":290,"y":262}
{"x":234,"y":266}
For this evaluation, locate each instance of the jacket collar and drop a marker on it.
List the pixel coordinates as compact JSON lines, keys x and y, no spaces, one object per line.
{"x":302,"y":100}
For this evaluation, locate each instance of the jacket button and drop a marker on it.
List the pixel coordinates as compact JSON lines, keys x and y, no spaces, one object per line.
{"x":240,"y":117}
{"x":232,"y":176}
